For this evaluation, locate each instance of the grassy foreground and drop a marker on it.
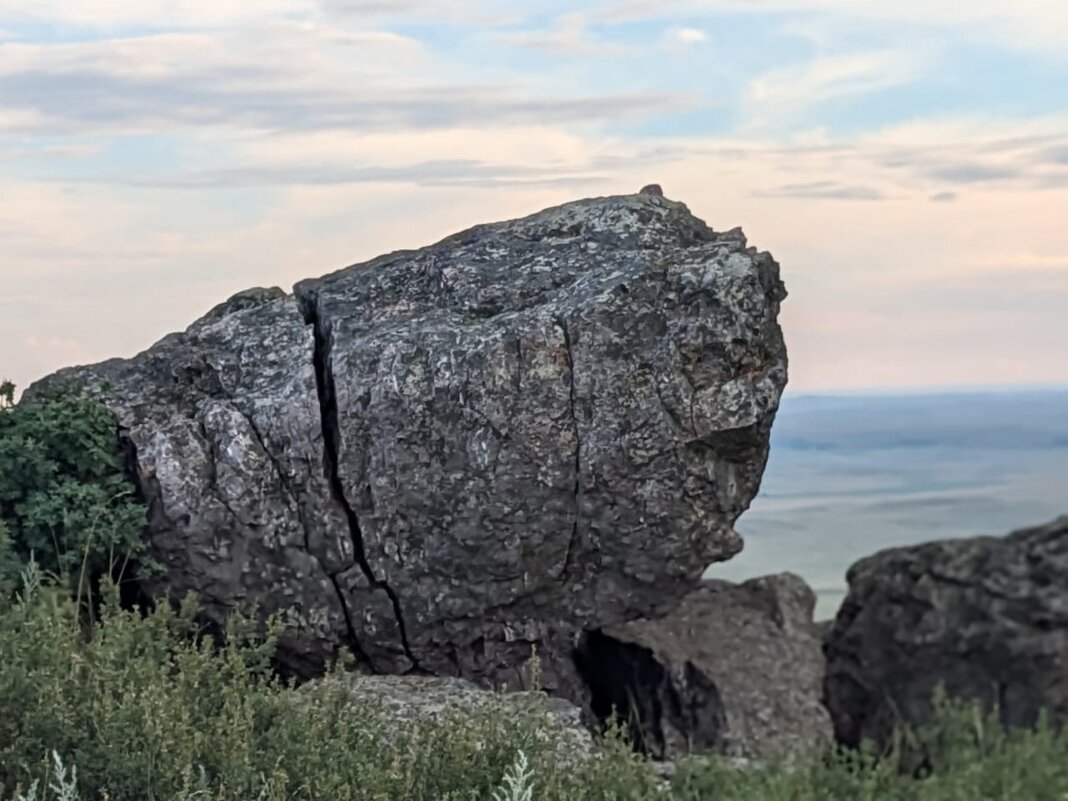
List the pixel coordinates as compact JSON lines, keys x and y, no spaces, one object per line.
{"x":133,"y":708}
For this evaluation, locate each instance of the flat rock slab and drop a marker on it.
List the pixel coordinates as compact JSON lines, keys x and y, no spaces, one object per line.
{"x":736,"y":669}
{"x":985,"y":617}
{"x":446,"y":458}
{"x":405,"y":703}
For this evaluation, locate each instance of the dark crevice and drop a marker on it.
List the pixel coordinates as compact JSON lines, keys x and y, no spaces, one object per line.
{"x":569,"y":556}
{"x":626,"y":688}
{"x":354,"y":642}
{"x":518,"y":364}
{"x":737,"y":445}
{"x":657,"y":705}
{"x":328,"y":409}
{"x":132,"y":592}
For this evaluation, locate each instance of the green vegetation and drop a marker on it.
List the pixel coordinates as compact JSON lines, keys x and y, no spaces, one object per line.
{"x":146,"y":707}
{"x":130,"y":707}
{"x":63,"y":495}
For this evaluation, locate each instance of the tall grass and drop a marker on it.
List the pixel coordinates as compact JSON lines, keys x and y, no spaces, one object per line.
{"x":146,"y":708}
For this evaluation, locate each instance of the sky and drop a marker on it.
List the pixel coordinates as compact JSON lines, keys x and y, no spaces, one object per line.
{"x":906,"y":163}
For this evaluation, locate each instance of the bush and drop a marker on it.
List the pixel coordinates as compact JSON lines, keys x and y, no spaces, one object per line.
{"x":146,"y":707}
{"x":63,"y":493}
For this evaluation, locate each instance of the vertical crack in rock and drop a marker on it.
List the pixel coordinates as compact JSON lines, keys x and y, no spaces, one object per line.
{"x":354,"y":641}
{"x":569,"y":555}
{"x":324,"y":383}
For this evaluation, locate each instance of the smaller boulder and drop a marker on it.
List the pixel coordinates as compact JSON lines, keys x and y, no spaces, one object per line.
{"x":406,"y":701}
{"x":984,"y":618}
{"x":736,"y":669}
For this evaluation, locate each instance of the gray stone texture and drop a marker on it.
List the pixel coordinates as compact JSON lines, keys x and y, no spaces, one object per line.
{"x":448,"y":457}
{"x":736,"y":669}
{"x":986,"y":617}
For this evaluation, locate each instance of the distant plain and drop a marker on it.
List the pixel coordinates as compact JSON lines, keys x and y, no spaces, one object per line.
{"x":851,"y":475}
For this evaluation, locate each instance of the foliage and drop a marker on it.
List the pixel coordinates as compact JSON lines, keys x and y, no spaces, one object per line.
{"x":146,"y":707}
{"x":63,"y":494}
{"x":518,"y":782}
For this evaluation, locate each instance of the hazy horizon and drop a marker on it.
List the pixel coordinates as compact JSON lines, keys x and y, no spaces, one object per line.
{"x":851,"y":475}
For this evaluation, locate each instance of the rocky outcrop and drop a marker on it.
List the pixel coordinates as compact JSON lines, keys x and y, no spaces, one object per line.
{"x":445,"y":458}
{"x":987,"y":618}
{"x":736,"y":668}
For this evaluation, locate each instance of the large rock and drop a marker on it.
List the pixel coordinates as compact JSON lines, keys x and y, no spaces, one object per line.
{"x":987,"y":618}
{"x":736,"y":669}
{"x":446,"y":457}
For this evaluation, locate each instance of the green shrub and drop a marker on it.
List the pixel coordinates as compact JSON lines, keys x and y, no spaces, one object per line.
{"x":63,"y":493}
{"x":147,"y":708}
{"x":967,"y":756}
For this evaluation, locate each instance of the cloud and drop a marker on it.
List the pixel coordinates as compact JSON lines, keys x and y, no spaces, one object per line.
{"x":570,"y":35}
{"x":52,"y":103}
{"x":148,"y":260}
{"x":1054,"y":180}
{"x":147,"y":175}
{"x":1022,"y":260}
{"x":376,"y":7}
{"x":782,"y":95}
{"x":463,"y":157}
{"x":1054,"y":155}
{"x":202,"y":15}
{"x":291,"y":77}
{"x":471,"y":12}
{"x":1023,"y":24}
{"x":291,"y":54}
{"x":684,"y":37}
{"x":149,"y":13}
{"x":420,"y":173}
{"x":110,"y":103}
{"x":970,"y":172}
{"x":971,"y":151}
{"x":823,"y":190}
{"x":573,"y":34}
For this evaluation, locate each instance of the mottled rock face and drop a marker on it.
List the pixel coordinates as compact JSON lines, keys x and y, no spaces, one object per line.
{"x":736,"y":668}
{"x":223,"y":424}
{"x":445,"y":457}
{"x":985,"y":617}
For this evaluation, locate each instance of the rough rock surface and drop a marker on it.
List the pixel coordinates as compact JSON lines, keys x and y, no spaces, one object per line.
{"x":446,"y":701}
{"x":736,"y":668}
{"x":445,"y":457}
{"x":986,"y":617}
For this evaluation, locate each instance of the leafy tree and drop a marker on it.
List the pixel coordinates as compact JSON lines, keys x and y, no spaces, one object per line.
{"x":63,"y":493}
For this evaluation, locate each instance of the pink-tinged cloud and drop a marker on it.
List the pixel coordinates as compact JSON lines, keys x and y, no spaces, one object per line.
{"x":885,"y":291}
